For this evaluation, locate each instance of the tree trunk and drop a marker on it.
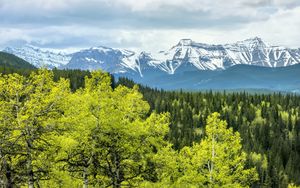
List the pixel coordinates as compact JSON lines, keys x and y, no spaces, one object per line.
{"x":9,"y":183}
{"x":211,"y":168}
{"x":117,"y":176}
{"x":29,"y":165}
{"x":85,"y":178}
{"x":31,"y":179}
{"x":30,"y":183}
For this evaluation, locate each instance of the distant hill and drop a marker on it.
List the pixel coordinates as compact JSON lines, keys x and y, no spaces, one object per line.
{"x":10,"y":61}
{"x":238,"y":77}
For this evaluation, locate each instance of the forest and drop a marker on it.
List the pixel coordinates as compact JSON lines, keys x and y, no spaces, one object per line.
{"x":66,"y":128}
{"x":269,"y":125}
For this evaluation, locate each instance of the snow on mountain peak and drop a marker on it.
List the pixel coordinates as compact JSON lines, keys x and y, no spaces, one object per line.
{"x":185,"y":42}
{"x":252,"y":43}
{"x":101,"y":49}
{"x":186,"y":55}
{"x":256,"y":39}
{"x":40,"y":57}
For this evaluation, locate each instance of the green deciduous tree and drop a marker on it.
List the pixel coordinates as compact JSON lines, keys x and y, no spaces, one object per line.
{"x":111,"y":141}
{"x":218,"y":160}
{"x":30,"y":108}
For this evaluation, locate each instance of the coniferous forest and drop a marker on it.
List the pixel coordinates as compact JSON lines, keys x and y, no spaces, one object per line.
{"x":74,"y":128}
{"x":269,"y":125}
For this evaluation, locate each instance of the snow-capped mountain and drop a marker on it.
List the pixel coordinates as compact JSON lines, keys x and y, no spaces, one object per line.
{"x":40,"y":57}
{"x":108,"y":59}
{"x":186,"y":55}
{"x":217,"y":57}
{"x":190,"y":54}
{"x":256,"y":52}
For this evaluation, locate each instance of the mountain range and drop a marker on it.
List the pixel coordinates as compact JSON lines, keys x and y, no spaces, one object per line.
{"x":187,"y":64}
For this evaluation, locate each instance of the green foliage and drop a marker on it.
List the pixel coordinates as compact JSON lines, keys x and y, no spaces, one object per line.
{"x":110,"y":141}
{"x":66,"y":128}
{"x":292,"y":186}
{"x":269,"y":125}
{"x":29,"y":110}
{"x":76,"y":77}
{"x":217,"y":161}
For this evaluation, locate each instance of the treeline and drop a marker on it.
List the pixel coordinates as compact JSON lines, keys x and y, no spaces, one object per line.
{"x":269,"y":125}
{"x":76,"y":77}
{"x":105,"y":136}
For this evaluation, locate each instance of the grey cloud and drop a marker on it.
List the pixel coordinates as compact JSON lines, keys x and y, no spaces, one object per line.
{"x":257,"y":3}
{"x":64,"y":23}
{"x":120,"y":16}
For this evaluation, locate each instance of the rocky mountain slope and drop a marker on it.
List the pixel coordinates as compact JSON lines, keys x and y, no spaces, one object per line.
{"x":186,"y":55}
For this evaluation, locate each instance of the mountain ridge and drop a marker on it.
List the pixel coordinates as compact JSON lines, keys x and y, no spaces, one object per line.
{"x":186,"y":55}
{"x":40,"y":57}
{"x":236,"y":77}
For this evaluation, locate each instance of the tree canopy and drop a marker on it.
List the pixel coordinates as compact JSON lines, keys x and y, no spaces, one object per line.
{"x":60,"y":130}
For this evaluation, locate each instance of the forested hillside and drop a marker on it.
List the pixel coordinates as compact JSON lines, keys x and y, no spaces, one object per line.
{"x":74,"y":128}
{"x":8,"y":60}
{"x":269,"y":125}
{"x":10,"y":63}
{"x":105,"y":137}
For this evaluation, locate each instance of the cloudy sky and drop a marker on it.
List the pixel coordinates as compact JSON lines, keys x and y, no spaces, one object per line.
{"x":146,"y":24}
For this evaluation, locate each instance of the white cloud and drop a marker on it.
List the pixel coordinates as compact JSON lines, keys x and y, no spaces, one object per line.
{"x":218,"y":8}
{"x":147,"y":24}
{"x":282,"y":28}
{"x":43,"y":5}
